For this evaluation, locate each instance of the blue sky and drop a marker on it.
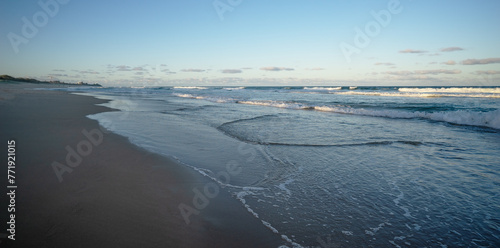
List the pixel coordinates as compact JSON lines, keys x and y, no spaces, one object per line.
{"x":243,"y":42}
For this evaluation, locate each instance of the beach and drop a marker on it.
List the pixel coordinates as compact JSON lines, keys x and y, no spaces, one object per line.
{"x":116,"y":195}
{"x":178,"y":166}
{"x":298,"y":124}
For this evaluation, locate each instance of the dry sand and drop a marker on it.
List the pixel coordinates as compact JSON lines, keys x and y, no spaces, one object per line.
{"x":118,"y":196}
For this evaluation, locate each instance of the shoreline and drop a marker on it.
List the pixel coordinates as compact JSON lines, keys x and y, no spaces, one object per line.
{"x":118,"y":195}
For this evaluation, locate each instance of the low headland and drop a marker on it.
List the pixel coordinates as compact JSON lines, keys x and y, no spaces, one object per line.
{"x":35,"y":81}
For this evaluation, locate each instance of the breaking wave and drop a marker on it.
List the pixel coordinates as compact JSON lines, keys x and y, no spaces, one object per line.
{"x":489,"y":119}
{"x":452,"y":90}
{"x":322,"y":88}
{"x":423,"y":94}
{"x":462,"y":117}
{"x":191,"y":87}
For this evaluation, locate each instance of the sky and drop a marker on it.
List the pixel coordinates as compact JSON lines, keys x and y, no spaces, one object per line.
{"x":253,"y":42}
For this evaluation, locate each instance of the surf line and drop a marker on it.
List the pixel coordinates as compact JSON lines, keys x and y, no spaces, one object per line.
{"x":211,"y":190}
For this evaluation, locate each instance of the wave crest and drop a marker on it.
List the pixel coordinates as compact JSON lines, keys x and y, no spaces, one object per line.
{"x":191,"y":87}
{"x":322,"y":88}
{"x":452,"y":90}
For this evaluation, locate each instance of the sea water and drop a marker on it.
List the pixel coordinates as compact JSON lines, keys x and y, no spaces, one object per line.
{"x":335,"y":166}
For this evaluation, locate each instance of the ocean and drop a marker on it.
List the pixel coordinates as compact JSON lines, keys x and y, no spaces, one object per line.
{"x":334,"y":166}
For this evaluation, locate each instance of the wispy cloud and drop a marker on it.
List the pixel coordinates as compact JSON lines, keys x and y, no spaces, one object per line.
{"x":192,"y":70}
{"x":139,"y":68}
{"x":58,"y":75}
{"x":449,"y":62}
{"x":274,"y":68}
{"x":412,"y":51}
{"x":123,"y":68}
{"x":436,"y":72}
{"x":316,"y":69}
{"x":167,"y":71}
{"x":59,"y":70}
{"x":451,"y":49}
{"x":232,"y":71}
{"x":399,"y":73}
{"x":381,"y":63}
{"x":423,"y":72}
{"x":87,"y":72}
{"x":490,"y":72}
{"x":481,"y":61}
{"x":432,"y":54}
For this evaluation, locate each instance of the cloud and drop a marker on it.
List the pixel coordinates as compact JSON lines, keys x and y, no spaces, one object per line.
{"x":387,"y":64}
{"x":399,"y":73}
{"x":123,"y":68}
{"x":246,"y":68}
{"x":317,"y":69}
{"x":58,"y":75}
{"x":481,"y":61}
{"x":451,"y":49}
{"x":87,"y":72}
{"x":59,"y":70}
{"x":449,"y":62}
{"x":423,"y":72}
{"x":192,"y":70}
{"x":167,"y":71}
{"x":412,"y":51}
{"x":138,"y":69}
{"x":274,"y":68}
{"x":232,"y":71}
{"x":490,"y":72}
{"x":436,"y":72}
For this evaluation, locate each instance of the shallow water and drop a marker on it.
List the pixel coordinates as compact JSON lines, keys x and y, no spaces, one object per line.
{"x":335,"y":167}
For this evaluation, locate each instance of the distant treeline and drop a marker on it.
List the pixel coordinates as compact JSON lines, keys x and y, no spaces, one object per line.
{"x":34,"y":81}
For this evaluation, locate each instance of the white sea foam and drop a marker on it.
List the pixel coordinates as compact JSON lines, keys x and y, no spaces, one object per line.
{"x":184,"y":95}
{"x":416,"y":94}
{"x":233,"y":88}
{"x":248,"y":191}
{"x":365,"y":93}
{"x":452,"y":90}
{"x":353,"y":87}
{"x":322,"y":88}
{"x":191,"y":87}
{"x":283,"y":187}
{"x":211,"y":99}
{"x":462,"y":117}
{"x":276,"y":104}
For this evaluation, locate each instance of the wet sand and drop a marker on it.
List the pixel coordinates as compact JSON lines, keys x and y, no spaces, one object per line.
{"x":115,"y":195}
